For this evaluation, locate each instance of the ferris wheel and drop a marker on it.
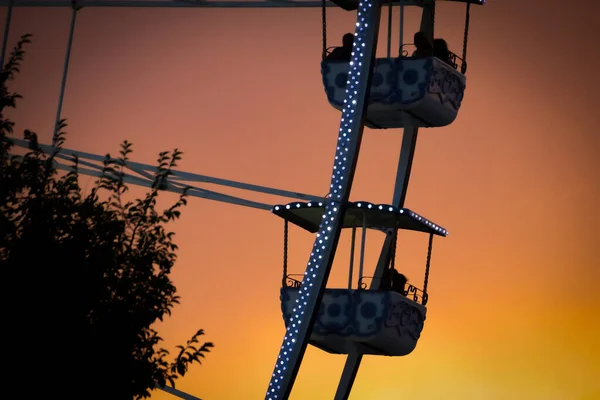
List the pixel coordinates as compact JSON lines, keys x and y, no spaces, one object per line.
{"x":378,"y":314}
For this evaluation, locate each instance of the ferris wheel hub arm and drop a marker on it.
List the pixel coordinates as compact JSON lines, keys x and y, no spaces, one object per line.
{"x":143,"y":175}
{"x":167,"y":3}
{"x":177,"y":393}
{"x":407,"y":152}
{"x":320,"y":261}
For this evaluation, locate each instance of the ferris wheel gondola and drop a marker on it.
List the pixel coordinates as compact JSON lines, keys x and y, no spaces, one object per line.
{"x":406,"y":90}
{"x":353,"y":320}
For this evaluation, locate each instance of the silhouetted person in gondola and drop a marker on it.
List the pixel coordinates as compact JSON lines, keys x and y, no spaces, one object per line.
{"x":342,"y":53}
{"x":393,"y":280}
{"x":440,"y":50}
{"x":423,"y":45}
{"x":398,"y":282}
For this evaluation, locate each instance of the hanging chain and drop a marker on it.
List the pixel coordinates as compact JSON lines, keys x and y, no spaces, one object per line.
{"x":324,"y":23}
{"x":428,"y":263}
{"x":285,"y":251}
{"x":466,"y":39}
{"x":393,"y":250}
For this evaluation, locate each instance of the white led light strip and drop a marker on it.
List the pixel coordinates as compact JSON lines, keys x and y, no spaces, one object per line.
{"x":381,"y":207}
{"x":321,"y":256}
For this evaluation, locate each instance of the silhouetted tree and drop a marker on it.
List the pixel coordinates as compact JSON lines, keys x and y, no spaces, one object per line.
{"x":85,"y":277}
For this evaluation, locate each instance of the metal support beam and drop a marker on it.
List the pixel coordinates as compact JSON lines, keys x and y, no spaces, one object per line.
{"x":171,"y":4}
{"x":198,"y":3}
{"x":389,"y":41}
{"x":407,"y":152}
{"x":177,"y":393}
{"x":63,"y":83}
{"x":6,"y":32}
{"x":363,"y":244}
{"x":177,"y":176}
{"x":427,"y":19}
{"x":300,"y":324}
{"x":175,"y":183}
{"x":352,"y":245}
{"x":173,"y":187}
{"x":401,"y":29}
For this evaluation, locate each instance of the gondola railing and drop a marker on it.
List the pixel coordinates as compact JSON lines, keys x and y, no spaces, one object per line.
{"x":411,"y":292}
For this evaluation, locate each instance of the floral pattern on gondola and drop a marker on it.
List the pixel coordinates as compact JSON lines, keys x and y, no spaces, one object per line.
{"x":447,"y":85}
{"x":360,"y":313}
{"x":401,"y":81}
{"x":406,"y":319}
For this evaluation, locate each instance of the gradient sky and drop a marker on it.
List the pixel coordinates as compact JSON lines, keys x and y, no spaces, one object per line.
{"x":514,"y":309}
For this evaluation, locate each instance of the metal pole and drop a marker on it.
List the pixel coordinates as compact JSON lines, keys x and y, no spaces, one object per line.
{"x":6,"y":32}
{"x":177,"y":393}
{"x":352,"y":257}
{"x":389,"y":42}
{"x":407,"y":152}
{"x":401,"y":26}
{"x":362,"y":250}
{"x":173,"y":3}
{"x":180,"y":176}
{"x":302,"y":320}
{"x":427,"y":17}
{"x":285,"y":252}
{"x":65,"y":72}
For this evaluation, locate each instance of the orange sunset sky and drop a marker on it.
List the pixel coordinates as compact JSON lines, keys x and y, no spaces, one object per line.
{"x":514,"y":310}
